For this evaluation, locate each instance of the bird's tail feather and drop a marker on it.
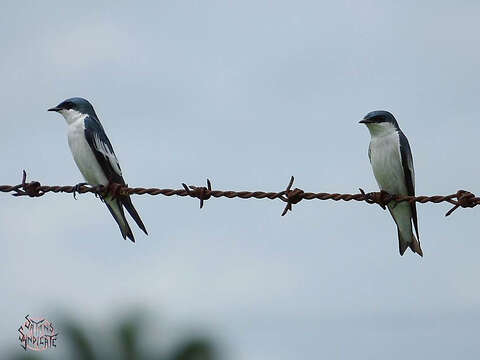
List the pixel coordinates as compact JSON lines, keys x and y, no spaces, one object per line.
{"x":413,"y":244}
{"x":116,"y":209}
{"x":127,"y":202}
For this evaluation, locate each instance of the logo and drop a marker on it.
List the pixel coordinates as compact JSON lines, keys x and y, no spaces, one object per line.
{"x":37,"y":334}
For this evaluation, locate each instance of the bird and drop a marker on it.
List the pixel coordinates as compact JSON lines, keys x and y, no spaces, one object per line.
{"x":392,"y":163}
{"x":93,"y":153}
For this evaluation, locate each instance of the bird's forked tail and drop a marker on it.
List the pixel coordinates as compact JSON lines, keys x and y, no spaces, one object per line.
{"x":413,"y":244}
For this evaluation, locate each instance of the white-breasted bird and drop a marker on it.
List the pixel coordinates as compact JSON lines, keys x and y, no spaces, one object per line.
{"x":392,"y":164}
{"x":96,"y":159}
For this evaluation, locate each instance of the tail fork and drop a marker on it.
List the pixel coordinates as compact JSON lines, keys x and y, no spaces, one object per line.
{"x":413,"y":244}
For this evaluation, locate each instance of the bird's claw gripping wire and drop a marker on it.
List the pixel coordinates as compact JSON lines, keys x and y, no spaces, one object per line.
{"x":115,"y":190}
{"x":200,"y":192}
{"x":76,"y":189}
{"x":291,"y":196}
{"x":381,"y":198}
{"x":384,"y":199}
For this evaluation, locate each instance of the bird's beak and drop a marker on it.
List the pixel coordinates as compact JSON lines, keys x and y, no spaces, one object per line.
{"x":54,"y":109}
{"x":364,"y":121}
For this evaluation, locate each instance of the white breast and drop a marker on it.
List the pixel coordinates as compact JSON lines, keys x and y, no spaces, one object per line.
{"x":83,"y":154}
{"x":386,"y":161}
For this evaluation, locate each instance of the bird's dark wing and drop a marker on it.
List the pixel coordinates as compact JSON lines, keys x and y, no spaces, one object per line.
{"x":103,"y":150}
{"x":407,"y":164}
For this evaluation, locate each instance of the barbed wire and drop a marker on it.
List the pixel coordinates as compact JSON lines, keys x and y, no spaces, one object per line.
{"x":461,"y":198}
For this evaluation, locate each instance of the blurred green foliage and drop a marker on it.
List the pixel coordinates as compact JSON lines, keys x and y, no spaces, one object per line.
{"x":125,"y":345}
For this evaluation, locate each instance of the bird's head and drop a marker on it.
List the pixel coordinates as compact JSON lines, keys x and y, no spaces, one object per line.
{"x":380,"y":122}
{"x":73,"y":108}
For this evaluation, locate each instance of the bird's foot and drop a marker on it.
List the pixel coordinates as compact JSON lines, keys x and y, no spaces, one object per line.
{"x":381,"y":198}
{"x":114,"y":190}
{"x":76,"y":189}
{"x":385,"y":198}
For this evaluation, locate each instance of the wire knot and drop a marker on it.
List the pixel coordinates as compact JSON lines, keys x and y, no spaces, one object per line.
{"x":32,"y":189}
{"x":200,"y":192}
{"x":465,"y":199}
{"x":291,"y":196}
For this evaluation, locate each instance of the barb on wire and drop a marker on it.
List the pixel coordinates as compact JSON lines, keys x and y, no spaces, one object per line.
{"x":292,"y":196}
{"x":200,"y":192}
{"x":461,"y":198}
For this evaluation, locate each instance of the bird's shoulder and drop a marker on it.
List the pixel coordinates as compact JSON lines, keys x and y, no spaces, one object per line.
{"x":102,"y":148}
{"x":93,"y":128}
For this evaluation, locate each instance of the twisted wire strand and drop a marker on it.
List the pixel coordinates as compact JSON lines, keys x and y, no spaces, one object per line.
{"x":461,"y":198}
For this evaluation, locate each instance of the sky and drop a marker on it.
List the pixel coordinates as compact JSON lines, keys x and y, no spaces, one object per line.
{"x":246,"y":93}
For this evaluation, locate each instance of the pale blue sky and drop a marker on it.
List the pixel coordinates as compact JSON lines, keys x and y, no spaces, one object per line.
{"x":247,"y":93}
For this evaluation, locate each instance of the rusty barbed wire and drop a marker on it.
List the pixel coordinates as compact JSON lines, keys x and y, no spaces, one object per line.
{"x":461,"y":198}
